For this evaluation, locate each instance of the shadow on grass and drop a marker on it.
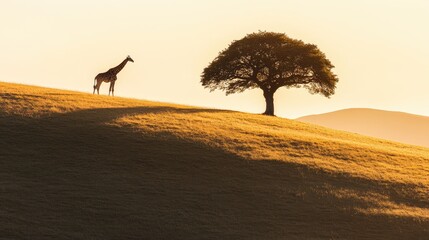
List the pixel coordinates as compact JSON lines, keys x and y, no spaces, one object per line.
{"x":71,"y":176}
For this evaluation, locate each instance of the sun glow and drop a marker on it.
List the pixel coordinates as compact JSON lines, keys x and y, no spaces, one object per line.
{"x":379,"y":48}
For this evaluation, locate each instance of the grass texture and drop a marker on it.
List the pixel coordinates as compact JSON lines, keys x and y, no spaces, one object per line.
{"x":82,"y":166}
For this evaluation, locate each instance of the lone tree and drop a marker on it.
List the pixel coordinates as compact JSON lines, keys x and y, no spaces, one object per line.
{"x":268,"y":61}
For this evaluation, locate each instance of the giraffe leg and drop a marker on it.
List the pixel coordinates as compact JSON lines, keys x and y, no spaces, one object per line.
{"x":98,"y":86}
{"x":113,"y":88}
{"x":112,"y":83}
{"x":94,"y":87}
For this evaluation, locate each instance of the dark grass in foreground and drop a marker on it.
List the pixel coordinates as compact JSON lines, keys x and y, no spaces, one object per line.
{"x":73,"y":176}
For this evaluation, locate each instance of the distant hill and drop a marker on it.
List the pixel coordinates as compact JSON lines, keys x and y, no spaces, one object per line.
{"x":82,"y":166}
{"x":396,"y":126}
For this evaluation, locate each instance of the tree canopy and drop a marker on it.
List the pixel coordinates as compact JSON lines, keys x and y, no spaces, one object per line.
{"x":268,"y":61}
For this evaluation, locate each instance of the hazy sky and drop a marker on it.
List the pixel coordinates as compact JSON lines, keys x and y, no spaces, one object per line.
{"x":380,"y":48}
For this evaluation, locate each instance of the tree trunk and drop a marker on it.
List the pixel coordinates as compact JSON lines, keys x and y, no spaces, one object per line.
{"x":269,"y":100}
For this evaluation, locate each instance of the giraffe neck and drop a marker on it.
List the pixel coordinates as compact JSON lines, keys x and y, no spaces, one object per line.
{"x":118,"y":68}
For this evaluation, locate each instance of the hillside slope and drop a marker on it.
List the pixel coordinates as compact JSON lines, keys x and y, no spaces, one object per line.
{"x":395,"y":126}
{"x":79,"y":166}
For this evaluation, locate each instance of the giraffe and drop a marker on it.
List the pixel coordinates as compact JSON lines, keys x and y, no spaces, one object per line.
{"x":110,"y":76}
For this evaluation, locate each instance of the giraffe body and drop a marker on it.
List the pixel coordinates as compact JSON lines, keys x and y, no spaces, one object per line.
{"x":109,"y":76}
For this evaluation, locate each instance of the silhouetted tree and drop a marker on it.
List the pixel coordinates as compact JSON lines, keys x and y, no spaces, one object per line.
{"x":268,"y":61}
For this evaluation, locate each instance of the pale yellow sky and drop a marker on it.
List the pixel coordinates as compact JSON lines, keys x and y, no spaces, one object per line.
{"x":380,"y":48}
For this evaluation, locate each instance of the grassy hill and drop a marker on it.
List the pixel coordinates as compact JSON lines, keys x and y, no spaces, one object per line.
{"x":80,"y":166}
{"x":396,"y":126}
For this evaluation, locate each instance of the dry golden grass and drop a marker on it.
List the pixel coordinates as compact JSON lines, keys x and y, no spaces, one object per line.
{"x":76,"y":165}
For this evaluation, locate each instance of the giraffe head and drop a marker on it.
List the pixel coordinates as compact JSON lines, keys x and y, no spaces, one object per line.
{"x":130,"y":59}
